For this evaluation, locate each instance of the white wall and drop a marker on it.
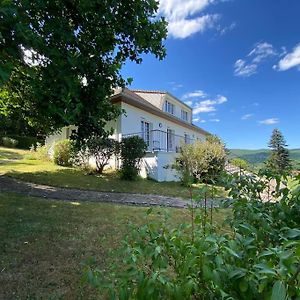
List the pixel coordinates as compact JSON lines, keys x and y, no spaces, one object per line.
{"x":131,"y":123}
{"x":158,"y":166}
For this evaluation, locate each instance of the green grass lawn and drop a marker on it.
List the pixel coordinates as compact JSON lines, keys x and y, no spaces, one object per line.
{"x":43,"y":243}
{"x":14,"y":163}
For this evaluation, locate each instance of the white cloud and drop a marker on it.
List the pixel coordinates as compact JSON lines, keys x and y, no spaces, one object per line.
{"x":247,"y":116}
{"x":241,"y":68}
{"x":290,"y":60}
{"x":182,"y":17}
{"x":270,"y":121}
{"x":262,"y":51}
{"x":184,"y":28}
{"x":195,"y":94}
{"x":196,"y":100}
{"x":198,"y":120}
{"x":215,"y":120}
{"x":248,"y":66}
{"x":189,"y":103}
{"x":175,"y":86}
{"x":226,"y":29}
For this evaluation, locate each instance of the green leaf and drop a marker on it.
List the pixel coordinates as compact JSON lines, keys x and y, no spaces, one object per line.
{"x":264,"y":269}
{"x":293,"y":233}
{"x":232,"y":252}
{"x":236,"y":274}
{"x":278,"y":291}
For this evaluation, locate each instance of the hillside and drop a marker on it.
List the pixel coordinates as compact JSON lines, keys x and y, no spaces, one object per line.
{"x":258,"y":157}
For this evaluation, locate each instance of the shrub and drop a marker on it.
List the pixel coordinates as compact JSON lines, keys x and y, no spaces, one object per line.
{"x":9,"y":142}
{"x":63,"y":153}
{"x":39,"y":152}
{"x":100,"y":148}
{"x":132,"y":150}
{"x":258,"y":259}
{"x":240,"y":163}
{"x":201,"y":160}
{"x":25,"y":142}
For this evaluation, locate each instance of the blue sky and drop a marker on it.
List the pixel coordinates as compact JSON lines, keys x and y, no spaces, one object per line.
{"x":236,"y":62}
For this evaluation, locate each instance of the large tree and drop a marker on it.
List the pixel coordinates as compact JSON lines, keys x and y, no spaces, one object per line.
{"x":279,"y":160}
{"x":62,"y":58}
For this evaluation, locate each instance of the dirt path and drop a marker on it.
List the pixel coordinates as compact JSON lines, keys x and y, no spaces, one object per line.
{"x":8,"y":184}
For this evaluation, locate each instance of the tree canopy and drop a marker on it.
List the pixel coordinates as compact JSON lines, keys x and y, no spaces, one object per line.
{"x":62,"y":59}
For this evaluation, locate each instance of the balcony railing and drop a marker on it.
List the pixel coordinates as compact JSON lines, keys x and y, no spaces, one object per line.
{"x":158,"y":140}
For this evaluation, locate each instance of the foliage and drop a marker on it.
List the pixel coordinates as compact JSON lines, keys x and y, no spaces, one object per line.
{"x":240,"y":163}
{"x":201,"y":160}
{"x":63,"y":153}
{"x":100,"y":148}
{"x":25,"y":142}
{"x":258,"y":259}
{"x":62,"y":59}
{"x":14,"y":123}
{"x":132,"y":150}
{"x":39,"y":152}
{"x":279,"y":160}
{"x":9,"y":142}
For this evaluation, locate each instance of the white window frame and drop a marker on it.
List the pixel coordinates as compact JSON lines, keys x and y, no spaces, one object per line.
{"x":170,"y":140}
{"x":184,"y":115}
{"x":169,"y":107}
{"x":145,"y":127}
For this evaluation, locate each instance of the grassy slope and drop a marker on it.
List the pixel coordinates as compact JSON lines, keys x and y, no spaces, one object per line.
{"x":44,"y":243}
{"x":42,"y":172}
{"x":257,"y":157}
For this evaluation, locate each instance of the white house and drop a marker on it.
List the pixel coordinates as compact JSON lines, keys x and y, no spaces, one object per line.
{"x":162,"y":120}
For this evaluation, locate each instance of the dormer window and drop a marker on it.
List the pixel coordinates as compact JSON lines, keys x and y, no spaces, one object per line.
{"x":169,"y":107}
{"x":184,"y":115}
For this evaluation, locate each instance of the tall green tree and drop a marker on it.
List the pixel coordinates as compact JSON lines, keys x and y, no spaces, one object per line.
{"x":279,"y":160}
{"x":62,"y":58}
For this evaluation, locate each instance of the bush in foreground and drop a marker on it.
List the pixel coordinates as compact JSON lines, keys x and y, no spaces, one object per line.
{"x":203,"y":161}
{"x":132,"y":150}
{"x":63,"y":153}
{"x":259,"y":257}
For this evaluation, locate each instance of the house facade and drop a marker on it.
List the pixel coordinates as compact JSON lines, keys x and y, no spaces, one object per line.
{"x":162,"y":120}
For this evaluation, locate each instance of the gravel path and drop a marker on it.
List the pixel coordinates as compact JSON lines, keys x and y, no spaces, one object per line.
{"x":8,"y":184}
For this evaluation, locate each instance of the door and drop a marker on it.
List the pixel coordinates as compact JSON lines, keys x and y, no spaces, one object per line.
{"x":170,"y":140}
{"x":146,"y":133}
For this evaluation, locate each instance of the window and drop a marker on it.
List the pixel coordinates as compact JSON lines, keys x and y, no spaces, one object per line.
{"x":145,"y":126}
{"x":187,"y":138}
{"x":184,"y":115}
{"x":169,"y":107}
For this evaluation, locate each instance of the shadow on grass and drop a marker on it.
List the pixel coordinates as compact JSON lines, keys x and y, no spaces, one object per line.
{"x":107,"y":182}
{"x":10,"y":154}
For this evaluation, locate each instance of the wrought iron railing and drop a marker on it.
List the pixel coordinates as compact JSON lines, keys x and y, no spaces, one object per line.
{"x":158,"y":140}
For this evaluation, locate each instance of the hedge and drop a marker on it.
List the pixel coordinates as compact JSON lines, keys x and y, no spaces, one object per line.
{"x":24,"y":142}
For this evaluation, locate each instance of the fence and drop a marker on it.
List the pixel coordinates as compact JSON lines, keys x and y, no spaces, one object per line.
{"x":158,"y":140}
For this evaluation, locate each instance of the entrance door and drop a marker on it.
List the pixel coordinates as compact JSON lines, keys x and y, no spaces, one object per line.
{"x":146,"y":132}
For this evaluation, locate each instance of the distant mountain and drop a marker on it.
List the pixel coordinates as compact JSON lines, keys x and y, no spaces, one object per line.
{"x":258,"y":157}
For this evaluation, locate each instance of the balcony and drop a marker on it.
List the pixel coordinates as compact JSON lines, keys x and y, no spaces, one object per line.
{"x":158,"y":140}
